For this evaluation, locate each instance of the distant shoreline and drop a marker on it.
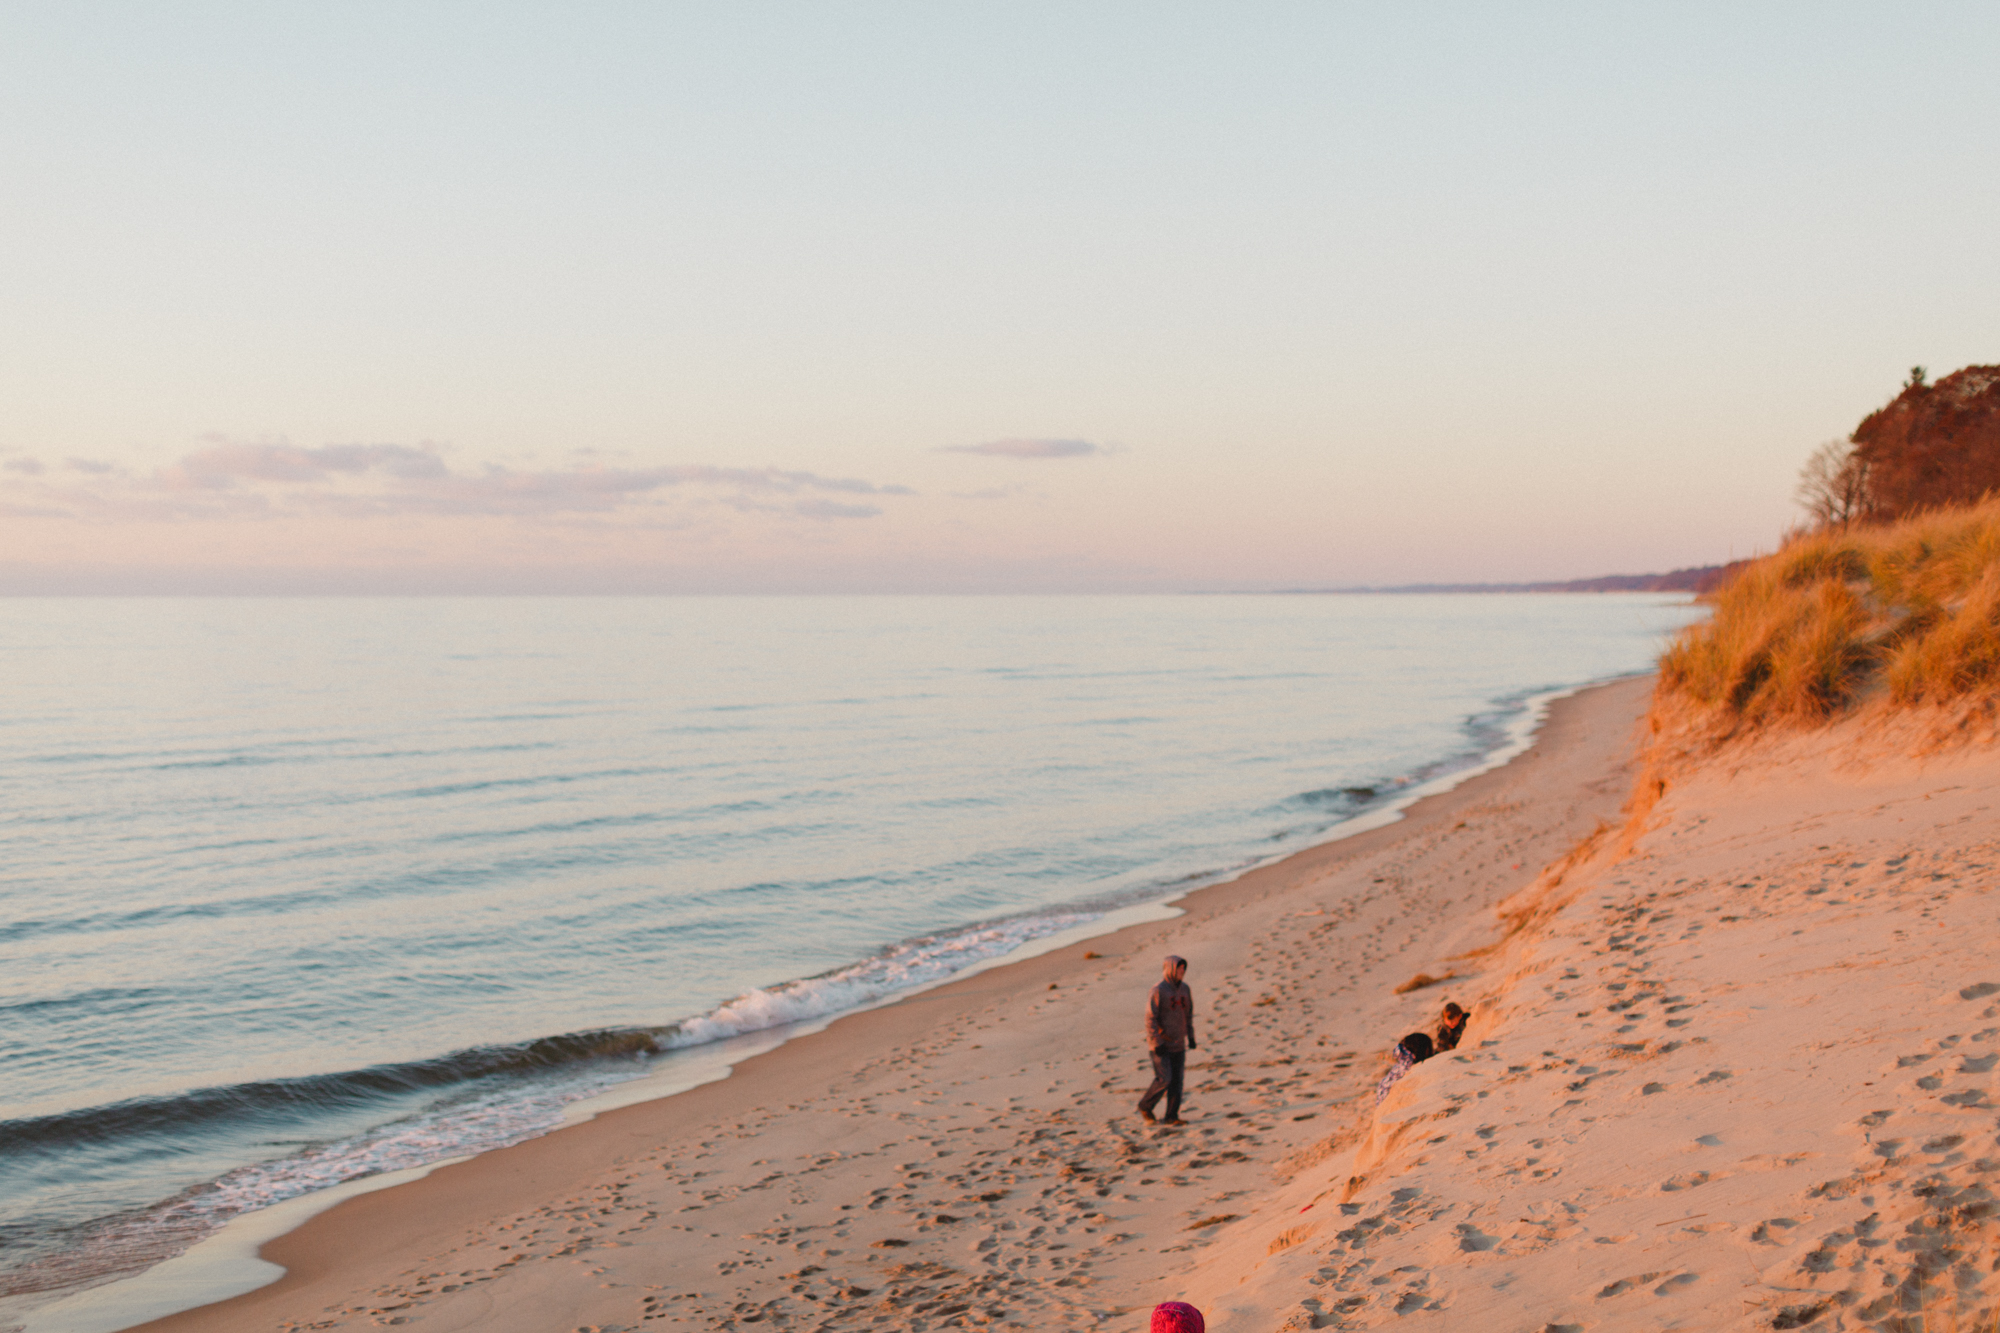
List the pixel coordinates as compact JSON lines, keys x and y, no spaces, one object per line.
{"x":1698,"y":579}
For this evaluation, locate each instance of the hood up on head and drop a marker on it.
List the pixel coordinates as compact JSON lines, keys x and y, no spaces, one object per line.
{"x":1174,"y":960}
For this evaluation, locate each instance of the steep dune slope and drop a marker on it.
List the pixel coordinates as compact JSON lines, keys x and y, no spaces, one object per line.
{"x":1741,"y":1077}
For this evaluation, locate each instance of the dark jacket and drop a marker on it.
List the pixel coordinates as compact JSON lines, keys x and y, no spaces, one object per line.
{"x":1170,"y":1017}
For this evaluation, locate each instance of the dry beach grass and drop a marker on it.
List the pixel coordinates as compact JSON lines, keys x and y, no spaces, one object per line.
{"x":1906,"y":613}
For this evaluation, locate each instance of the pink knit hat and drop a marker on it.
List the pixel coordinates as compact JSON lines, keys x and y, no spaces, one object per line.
{"x":1176,"y":1317}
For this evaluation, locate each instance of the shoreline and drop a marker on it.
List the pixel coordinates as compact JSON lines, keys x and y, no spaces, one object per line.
{"x":379,"y":1232}
{"x":226,"y":1263}
{"x":1487,"y":735}
{"x":239,"y":1243}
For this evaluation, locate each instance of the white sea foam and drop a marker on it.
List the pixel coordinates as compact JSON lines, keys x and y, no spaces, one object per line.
{"x":493,"y":1116}
{"x":904,"y":967}
{"x":497,"y":1114}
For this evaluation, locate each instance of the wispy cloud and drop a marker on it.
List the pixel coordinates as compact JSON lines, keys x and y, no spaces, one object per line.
{"x":31,"y":466}
{"x":834,"y":509}
{"x":269,"y":479}
{"x":224,"y":464}
{"x":1027,"y":448}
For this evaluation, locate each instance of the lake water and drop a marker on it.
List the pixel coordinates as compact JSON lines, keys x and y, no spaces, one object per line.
{"x":295,"y":891}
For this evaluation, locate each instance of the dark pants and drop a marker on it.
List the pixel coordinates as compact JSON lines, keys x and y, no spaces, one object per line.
{"x":1169,"y":1069}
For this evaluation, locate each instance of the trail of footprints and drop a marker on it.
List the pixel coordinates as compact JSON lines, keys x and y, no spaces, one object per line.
{"x":1867,"y":1249}
{"x":971,"y":1265}
{"x":1923,"y":1181}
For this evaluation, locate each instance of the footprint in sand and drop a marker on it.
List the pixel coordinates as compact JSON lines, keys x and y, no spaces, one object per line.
{"x":1472,"y":1240}
{"x":1762,"y":1235}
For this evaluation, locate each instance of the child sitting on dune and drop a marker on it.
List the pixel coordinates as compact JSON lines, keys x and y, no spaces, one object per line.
{"x":1451,"y":1027}
{"x":1410,"y":1052}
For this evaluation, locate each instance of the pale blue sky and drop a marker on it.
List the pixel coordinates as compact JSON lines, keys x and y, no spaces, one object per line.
{"x":716,"y":297}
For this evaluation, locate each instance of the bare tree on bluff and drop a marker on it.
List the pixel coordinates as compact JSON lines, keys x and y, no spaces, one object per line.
{"x":1833,"y":485}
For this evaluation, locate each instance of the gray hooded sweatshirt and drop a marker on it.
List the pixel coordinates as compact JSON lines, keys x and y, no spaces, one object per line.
{"x":1170,"y":1012}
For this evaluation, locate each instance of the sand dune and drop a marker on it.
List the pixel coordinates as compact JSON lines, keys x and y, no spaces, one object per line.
{"x":1738,"y":1078}
{"x":1742,"y":1079}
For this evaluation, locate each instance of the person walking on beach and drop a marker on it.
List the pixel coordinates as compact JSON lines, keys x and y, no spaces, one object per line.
{"x":1169,"y":1036}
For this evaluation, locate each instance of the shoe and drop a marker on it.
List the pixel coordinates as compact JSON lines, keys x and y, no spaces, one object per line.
{"x":1173,"y":1120}
{"x":1146,"y":1114}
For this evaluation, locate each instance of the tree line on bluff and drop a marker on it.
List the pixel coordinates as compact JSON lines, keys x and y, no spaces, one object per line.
{"x":1934,"y":446}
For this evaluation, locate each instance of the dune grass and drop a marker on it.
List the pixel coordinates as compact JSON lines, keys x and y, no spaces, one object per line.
{"x":1907,"y":612}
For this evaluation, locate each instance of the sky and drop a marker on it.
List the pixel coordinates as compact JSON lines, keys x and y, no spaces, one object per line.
{"x":1011,"y":297}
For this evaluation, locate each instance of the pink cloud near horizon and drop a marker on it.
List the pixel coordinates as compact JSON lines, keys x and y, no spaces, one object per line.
{"x":231,"y":480}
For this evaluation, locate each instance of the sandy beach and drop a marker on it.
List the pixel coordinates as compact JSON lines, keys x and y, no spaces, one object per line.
{"x":1732,"y":1072}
